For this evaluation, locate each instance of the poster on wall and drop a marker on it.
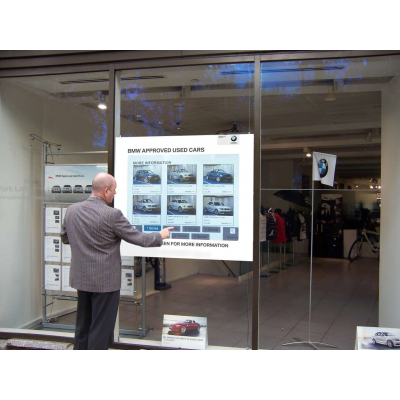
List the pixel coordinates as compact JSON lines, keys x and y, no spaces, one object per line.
{"x":200,"y":185}
{"x":53,"y":220}
{"x":70,"y":183}
{"x":52,"y":248}
{"x":184,"y":332}
{"x":52,"y":277}
{"x":377,"y":338}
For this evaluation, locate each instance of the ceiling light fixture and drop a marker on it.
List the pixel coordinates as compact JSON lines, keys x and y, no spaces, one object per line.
{"x":307,"y":152}
{"x":102,"y":106}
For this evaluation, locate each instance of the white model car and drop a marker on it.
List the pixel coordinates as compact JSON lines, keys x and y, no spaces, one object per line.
{"x":217,"y":207}
{"x":147,"y":205}
{"x":182,"y":175}
{"x":181,"y":206}
{"x":386,"y":338}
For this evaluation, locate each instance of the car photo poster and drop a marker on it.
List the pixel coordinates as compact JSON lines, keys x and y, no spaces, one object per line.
{"x":377,"y":338}
{"x":200,"y":185}
{"x":70,"y":183}
{"x":184,"y":332}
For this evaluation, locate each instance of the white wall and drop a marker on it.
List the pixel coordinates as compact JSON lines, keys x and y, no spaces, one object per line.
{"x":23,"y":112}
{"x":389,"y":283}
{"x":20,"y":207}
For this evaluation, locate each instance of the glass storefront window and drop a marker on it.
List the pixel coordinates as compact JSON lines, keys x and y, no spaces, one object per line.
{"x":333,"y":107}
{"x":186,"y":101}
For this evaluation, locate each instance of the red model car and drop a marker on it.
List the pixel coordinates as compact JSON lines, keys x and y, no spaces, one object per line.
{"x":185,"y":326}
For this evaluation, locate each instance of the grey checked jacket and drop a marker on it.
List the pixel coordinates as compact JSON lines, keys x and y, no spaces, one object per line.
{"x":94,"y":230}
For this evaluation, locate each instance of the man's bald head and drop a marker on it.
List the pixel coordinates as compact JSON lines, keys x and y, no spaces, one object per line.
{"x":103,"y":186}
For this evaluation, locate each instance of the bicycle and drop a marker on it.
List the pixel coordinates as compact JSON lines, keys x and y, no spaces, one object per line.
{"x":355,"y":249}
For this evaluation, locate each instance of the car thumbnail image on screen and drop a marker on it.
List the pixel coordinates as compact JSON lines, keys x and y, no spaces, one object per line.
{"x":181,"y":204}
{"x":181,"y":173}
{"x":218,"y":205}
{"x":146,"y":205}
{"x":218,"y":173}
{"x":146,"y":175}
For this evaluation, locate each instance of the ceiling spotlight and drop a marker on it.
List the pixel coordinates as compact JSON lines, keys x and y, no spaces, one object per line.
{"x":307,"y":152}
{"x":371,"y":187}
{"x":138,"y":116}
{"x":102,"y":106}
{"x":160,"y":122}
{"x":356,"y":186}
{"x":379,"y":187}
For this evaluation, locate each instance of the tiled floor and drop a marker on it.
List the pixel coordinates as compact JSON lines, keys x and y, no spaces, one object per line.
{"x":344,"y":295}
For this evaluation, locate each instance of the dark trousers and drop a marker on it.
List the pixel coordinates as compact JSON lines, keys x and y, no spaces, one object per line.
{"x":95,"y":320}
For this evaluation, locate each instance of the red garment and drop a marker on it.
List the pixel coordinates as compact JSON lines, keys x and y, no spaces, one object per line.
{"x":280,"y":230}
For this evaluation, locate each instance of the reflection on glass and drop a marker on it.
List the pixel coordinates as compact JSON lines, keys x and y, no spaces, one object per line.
{"x":329,"y":106}
{"x":198,"y":100}
{"x":72,"y":105}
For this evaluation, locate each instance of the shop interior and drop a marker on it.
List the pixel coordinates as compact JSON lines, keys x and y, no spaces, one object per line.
{"x":329,"y":106}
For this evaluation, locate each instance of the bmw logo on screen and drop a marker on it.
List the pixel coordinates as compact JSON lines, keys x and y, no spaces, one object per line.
{"x":234,"y":138}
{"x":323,"y":167}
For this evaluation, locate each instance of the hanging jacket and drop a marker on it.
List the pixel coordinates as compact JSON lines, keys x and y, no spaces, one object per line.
{"x":263,"y":226}
{"x":293,"y":221}
{"x":271,"y":225}
{"x":280,"y":229}
{"x":302,"y":230}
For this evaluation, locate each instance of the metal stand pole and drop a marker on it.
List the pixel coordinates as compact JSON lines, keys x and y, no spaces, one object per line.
{"x":293,"y":252}
{"x":44,"y":299}
{"x":143,"y":296}
{"x":268,"y":252}
{"x":309,"y":342}
{"x":284,"y":256}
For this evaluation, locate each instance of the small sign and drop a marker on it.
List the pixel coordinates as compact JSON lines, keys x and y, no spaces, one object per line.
{"x":65,"y":279}
{"x":185,"y":332}
{"x":66,"y":253}
{"x":52,"y":277}
{"x":377,"y":338}
{"x":52,"y":248}
{"x":53,"y":220}
{"x":127,"y":280}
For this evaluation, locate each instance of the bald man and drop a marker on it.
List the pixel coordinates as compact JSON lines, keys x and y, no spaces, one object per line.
{"x":94,"y":230}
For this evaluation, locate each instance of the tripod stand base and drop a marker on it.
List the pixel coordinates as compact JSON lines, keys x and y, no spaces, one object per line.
{"x":312,"y":344}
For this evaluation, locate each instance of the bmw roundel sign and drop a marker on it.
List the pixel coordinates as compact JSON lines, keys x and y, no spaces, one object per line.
{"x":323,"y":167}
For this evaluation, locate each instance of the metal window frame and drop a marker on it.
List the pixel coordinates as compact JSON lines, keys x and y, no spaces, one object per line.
{"x":44,"y":63}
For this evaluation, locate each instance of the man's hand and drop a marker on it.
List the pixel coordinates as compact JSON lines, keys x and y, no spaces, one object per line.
{"x":165,"y":232}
